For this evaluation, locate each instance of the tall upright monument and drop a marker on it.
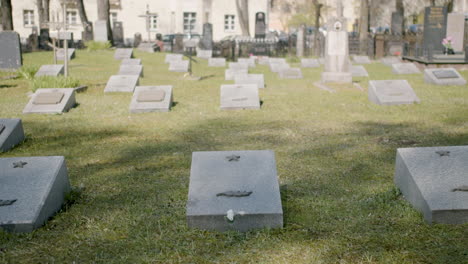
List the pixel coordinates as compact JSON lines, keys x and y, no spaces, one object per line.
{"x":337,"y":65}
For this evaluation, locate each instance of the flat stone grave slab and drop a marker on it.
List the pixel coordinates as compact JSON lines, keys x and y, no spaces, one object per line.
{"x":391,"y":92}
{"x":217,"y":62}
{"x":51,"y":101}
{"x":435,"y":181}
{"x":179,"y":66}
{"x":173,"y":57}
{"x":290,"y":73}
{"x":443,"y":76}
{"x":126,"y":69}
{"x":33,"y":189}
{"x":229,"y":74}
{"x":359,"y":71}
{"x":147,"y":47}
{"x":204,"y":54}
{"x":310,"y":63}
{"x":10,"y":50}
{"x":239,"y":96}
{"x":11,"y":133}
{"x":238,"y":65}
{"x":390,"y":60}
{"x":122,"y":83}
{"x":277,"y":60}
{"x":278,"y":66}
{"x":130,"y":62}
{"x":50,"y":70}
{"x":250,"y":61}
{"x":151,"y":99}
{"x":405,"y":68}
{"x":361,"y":59}
{"x":123,"y":53}
{"x":61,"y":54}
{"x":234,"y":190}
{"x":263,"y":60}
{"x":250,"y":79}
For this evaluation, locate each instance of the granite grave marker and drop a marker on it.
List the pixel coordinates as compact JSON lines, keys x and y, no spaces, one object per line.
{"x":391,"y":92}
{"x":126,"y":69}
{"x":359,"y":71}
{"x":123,"y":53}
{"x":179,"y":66}
{"x":290,"y":73}
{"x":51,"y":101}
{"x":250,"y":79}
{"x":130,"y":62}
{"x":10,"y":51}
{"x":239,"y":96}
{"x":230,"y":73}
{"x":151,"y":99}
{"x":405,"y":68}
{"x":50,"y":70}
{"x":11,"y":133}
{"x":173,"y":57}
{"x":443,"y":76}
{"x":122,"y":83}
{"x":217,"y":62}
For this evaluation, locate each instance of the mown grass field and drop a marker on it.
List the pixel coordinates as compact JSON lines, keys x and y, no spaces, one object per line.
{"x":335,"y":154}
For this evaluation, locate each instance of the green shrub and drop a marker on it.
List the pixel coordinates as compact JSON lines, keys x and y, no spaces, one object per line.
{"x":293,"y":59}
{"x":53,"y":82}
{"x":28,"y":72}
{"x":97,"y":45}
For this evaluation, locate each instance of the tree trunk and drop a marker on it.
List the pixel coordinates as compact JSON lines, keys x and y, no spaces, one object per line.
{"x":243,"y":14}
{"x":363,"y":27}
{"x":7,"y":15}
{"x":103,"y":14}
{"x":317,"y":7}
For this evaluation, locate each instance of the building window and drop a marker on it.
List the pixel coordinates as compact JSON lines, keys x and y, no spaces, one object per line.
{"x":28,"y":17}
{"x":229,"y":22}
{"x":72,"y":17}
{"x":153,"y":22}
{"x":113,"y":18}
{"x":189,"y":21}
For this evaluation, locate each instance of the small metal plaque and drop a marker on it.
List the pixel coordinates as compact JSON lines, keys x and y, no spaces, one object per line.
{"x":235,"y":194}
{"x":48,"y":98}
{"x":2,"y":127}
{"x":445,"y":74}
{"x":151,"y":96}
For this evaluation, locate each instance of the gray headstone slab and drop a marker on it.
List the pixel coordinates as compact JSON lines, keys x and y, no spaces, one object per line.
{"x":10,"y":50}
{"x":229,"y":74}
{"x":179,"y":66}
{"x":263,"y":60}
{"x":277,"y":60}
{"x":443,"y":76}
{"x":361,"y":59}
{"x":131,"y":62}
{"x":238,"y":65}
{"x":250,"y":79}
{"x":234,"y":190}
{"x":147,"y":47}
{"x":100,"y":31}
{"x":405,"y":68}
{"x":204,"y":54}
{"x":250,"y":61}
{"x":390,"y":60}
{"x":61,"y":54}
{"x":435,"y":181}
{"x":173,"y":57}
{"x":151,"y":99}
{"x":36,"y":185}
{"x":123,"y":53}
{"x":310,"y":63}
{"x":50,"y":70}
{"x":391,"y":92}
{"x":217,"y":62}
{"x":11,"y":133}
{"x":126,"y":69}
{"x":290,"y":73}
{"x":278,"y":66}
{"x":359,"y":71}
{"x":51,"y":101}
{"x":239,"y":96}
{"x":122,"y":83}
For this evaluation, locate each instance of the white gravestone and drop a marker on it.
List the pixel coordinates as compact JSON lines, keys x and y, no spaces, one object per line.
{"x":443,"y":76}
{"x":173,"y":57}
{"x":151,"y":99}
{"x":390,"y":60}
{"x":61,"y":54}
{"x":250,"y":79}
{"x":391,"y":92}
{"x":456,"y":30}
{"x":361,"y":59}
{"x":250,"y":61}
{"x":122,"y":83}
{"x":359,"y":71}
{"x":310,"y":63}
{"x":11,"y":133}
{"x":290,"y":73}
{"x":130,"y":62}
{"x":50,"y":70}
{"x":51,"y":101}
{"x":238,"y":65}
{"x":277,"y":60}
{"x":229,"y":74}
{"x":100,"y":31}
{"x":126,"y":69}
{"x":204,"y":54}
{"x":239,"y":96}
{"x":263,"y":60}
{"x":276,"y":67}
{"x":217,"y":62}
{"x":123,"y":53}
{"x":405,"y":68}
{"x":179,"y":66}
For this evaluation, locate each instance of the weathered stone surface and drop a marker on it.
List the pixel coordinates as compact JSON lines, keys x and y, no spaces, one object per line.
{"x":250,"y":79}
{"x":151,"y":99}
{"x":290,"y":73}
{"x":126,"y":69}
{"x":239,"y":96}
{"x":443,"y":76}
{"x":206,"y":42}
{"x":277,"y":60}
{"x":130,"y":62}
{"x":173,"y":57}
{"x":250,"y":61}
{"x":61,"y":54}
{"x":122,"y":83}
{"x":234,"y":190}
{"x":456,"y":30}
{"x":179,"y":66}
{"x":405,"y":68}
{"x":432,"y":180}
{"x":278,"y":66}
{"x":337,"y":65}
{"x":11,"y":134}
{"x":204,"y":54}
{"x":123,"y":53}
{"x":361,"y":59}
{"x":37,"y":185}
{"x":50,"y":70}
{"x":390,"y":60}
{"x":263,"y":60}
{"x":51,"y":101}
{"x":391,"y":92}
{"x":100,"y":31}
{"x":229,"y":74}
{"x":147,"y":47}
{"x":310,"y":63}
{"x":10,"y":51}
{"x":359,"y":71}
{"x":217,"y":62}
{"x":238,"y":65}
{"x":435,"y":24}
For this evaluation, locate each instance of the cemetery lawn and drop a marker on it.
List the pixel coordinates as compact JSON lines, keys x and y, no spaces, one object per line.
{"x":335,"y":156}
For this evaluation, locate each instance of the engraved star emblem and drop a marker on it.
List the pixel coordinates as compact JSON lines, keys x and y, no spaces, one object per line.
{"x":7,"y":202}
{"x":233,"y":158}
{"x":19,"y":164}
{"x":443,"y":153}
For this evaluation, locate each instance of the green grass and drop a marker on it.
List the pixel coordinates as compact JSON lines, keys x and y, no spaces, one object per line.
{"x":335,"y":154}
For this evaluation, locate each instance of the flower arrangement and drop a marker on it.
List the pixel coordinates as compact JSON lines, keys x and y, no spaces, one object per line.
{"x":447,"y":42}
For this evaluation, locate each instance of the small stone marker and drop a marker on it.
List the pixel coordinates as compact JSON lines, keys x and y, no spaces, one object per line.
{"x":238,"y":65}
{"x":361,"y":59}
{"x":263,"y":60}
{"x":51,"y":101}
{"x":278,"y":66}
{"x":50,"y":70}
{"x":390,"y":60}
{"x":239,"y":96}
{"x":434,"y":180}
{"x":131,"y":62}
{"x":310,"y":63}
{"x":151,"y":99}
{"x":123,"y":53}
{"x":100,"y":31}
{"x":179,"y":66}
{"x":11,"y":134}
{"x":122,"y":83}
{"x":131,"y":70}
{"x":10,"y":50}
{"x":277,"y":60}
{"x":229,"y":74}
{"x":234,"y":190}
{"x":405,"y":68}
{"x":250,"y":79}
{"x":359,"y":71}
{"x":391,"y":92}
{"x":217,"y":62}
{"x":443,"y":76}
{"x":290,"y":73}
{"x":61,"y":54}
{"x":250,"y":61}
{"x":204,"y":54}
{"x":33,"y":189}
{"x":147,"y":47}
{"x":173,"y":57}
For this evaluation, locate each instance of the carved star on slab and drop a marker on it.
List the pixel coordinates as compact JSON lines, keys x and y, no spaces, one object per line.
{"x":19,"y":164}
{"x":233,"y":158}
{"x":443,"y":153}
{"x":7,"y":202}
